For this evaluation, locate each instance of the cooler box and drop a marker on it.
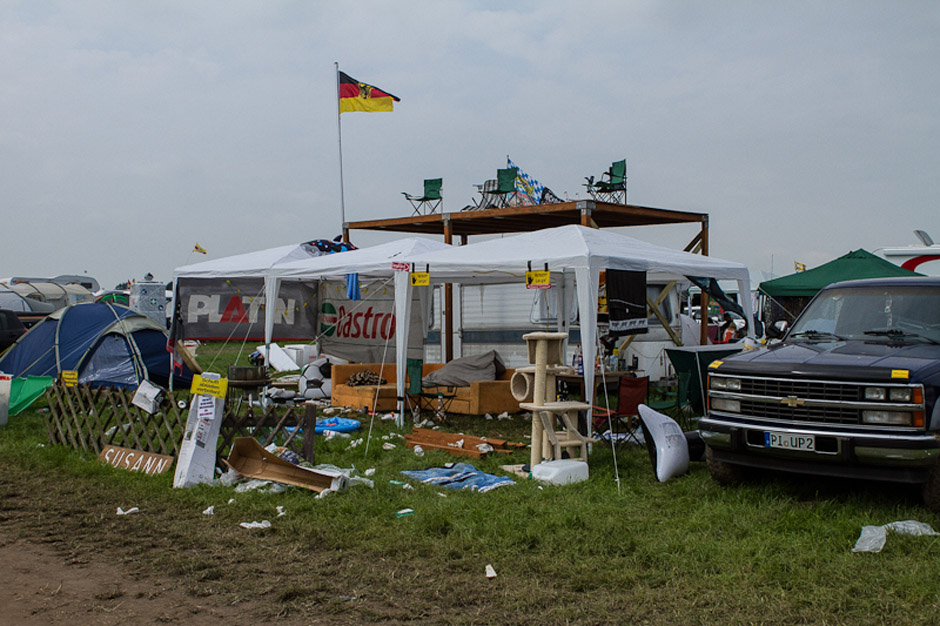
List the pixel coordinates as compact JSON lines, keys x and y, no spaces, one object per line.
{"x":561,"y":472}
{"x":303,"y":353}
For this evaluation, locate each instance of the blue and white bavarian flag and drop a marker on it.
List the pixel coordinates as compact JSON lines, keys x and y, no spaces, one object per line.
{"x":525,"y":184}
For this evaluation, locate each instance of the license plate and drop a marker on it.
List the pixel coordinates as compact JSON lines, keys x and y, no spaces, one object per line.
{"x":790,"y":441}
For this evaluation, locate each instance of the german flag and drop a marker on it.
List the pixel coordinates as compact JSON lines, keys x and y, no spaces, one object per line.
{"x":358,"y":96}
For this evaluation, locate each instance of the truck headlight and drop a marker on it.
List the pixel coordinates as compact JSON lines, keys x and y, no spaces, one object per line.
{"x":725,"y":404}
{"x":725,"y":384}
{"x":894,"y":418}
{"x":900,"y":394}
{"x":875,"y":393}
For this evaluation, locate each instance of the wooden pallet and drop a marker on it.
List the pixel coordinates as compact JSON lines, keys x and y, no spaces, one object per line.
{"x":435,"y":440}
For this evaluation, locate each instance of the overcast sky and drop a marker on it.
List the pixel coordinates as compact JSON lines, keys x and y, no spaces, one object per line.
{"x":132,"y":130}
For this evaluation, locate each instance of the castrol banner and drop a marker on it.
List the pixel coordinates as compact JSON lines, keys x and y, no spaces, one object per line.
{"x":364,"y":330}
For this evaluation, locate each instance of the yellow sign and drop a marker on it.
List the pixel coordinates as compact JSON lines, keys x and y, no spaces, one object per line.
{"x":420,"y":279}
{"x":715,"y":364}
{"x":900,"y":374}
{"x":538,"y":279}
{"x":70,"y":378}
{"x":209,"y":387}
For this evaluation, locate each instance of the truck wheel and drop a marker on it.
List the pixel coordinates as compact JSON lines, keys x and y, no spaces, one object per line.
{"x":930,"y":491}
{"x":723,"y":473}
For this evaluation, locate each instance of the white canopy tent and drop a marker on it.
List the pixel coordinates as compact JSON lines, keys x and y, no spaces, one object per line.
{"x":295,"y":262}
{"x":573,"y":254}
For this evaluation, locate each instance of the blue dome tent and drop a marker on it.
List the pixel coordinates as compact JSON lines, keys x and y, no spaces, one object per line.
{"x":109,"y":345}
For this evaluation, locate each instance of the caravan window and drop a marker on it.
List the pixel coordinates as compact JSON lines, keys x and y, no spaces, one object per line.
{"x":666,"y":307}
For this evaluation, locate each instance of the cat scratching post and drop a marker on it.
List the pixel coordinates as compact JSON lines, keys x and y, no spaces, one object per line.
{"x":546,"y":353}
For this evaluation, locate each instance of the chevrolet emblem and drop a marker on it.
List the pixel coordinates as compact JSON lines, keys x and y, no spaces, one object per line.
{"x":791,"y":401}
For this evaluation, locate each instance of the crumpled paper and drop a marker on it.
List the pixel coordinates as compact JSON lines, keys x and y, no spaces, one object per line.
{"x":253,"y":525}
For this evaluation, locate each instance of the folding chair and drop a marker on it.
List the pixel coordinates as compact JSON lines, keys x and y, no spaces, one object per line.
{"x":678,"y":402}
{"x":631,"y":393}
{"x":494,"y":194}
{"x":614,"y":188}
{"x":431,"y":200}
{"x":436,"y":401}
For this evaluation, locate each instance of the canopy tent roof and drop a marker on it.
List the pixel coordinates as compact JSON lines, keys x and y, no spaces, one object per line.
{"x":250,"y":264}
{"x":372,"y":261}
{"x":568,"y":248}
{"x":303,"y":261}
{"x":856,"y":264}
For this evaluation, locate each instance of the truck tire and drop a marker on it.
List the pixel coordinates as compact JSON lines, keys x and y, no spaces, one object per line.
{"x":723,"y":473}
{"x":930,"y":491}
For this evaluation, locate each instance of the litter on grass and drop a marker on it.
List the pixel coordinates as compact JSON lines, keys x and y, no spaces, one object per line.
{"x":133,"y":509}
{"x":873,"y":538}
{"x":404,"y":512}
{"x":209,"y":511}
{"x":253,"y":525}
{"x":490,"y":572}
{"x":459,"y":476}
{"x":280,"y":511}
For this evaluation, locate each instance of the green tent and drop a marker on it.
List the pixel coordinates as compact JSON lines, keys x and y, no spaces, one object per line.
{"x":856,"y":264}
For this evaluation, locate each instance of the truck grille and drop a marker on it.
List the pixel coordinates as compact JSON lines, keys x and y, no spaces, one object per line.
{"x":805,"y":401}
{"x":817,"y":390}
{"x":818,"y":415}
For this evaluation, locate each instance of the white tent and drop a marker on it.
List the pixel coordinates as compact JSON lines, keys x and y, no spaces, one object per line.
{"x":249,"y":265}
{"x":573,"y":254}
{"x":297,"y":262}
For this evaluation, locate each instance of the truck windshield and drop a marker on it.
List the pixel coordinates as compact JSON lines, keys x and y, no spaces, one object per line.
{"x":907,"y":314}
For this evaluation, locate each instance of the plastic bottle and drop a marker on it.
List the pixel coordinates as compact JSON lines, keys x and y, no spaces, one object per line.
{"x":580,"y":364}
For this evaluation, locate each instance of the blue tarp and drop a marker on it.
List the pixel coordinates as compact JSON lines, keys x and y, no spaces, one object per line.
{"x":459,"y":476}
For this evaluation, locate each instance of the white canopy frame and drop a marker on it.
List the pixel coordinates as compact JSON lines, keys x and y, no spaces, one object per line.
{"x":570,"y":252}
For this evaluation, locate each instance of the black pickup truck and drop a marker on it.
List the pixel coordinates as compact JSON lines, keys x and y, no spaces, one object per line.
{"x":850,"y":391}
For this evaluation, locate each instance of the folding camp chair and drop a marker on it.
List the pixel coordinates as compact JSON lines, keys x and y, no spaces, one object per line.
{"x":431,"y":201}
{"x":614,"y":188}
{"x":631,"y":393}
{"x":494,"y":194}
{"x":676,"y":402}
{"x":436,"y":401}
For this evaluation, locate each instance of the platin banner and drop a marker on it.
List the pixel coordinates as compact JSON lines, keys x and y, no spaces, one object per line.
{"x":215,"y":309}
{"x":364,"y":330}
{"x":626,"y":302}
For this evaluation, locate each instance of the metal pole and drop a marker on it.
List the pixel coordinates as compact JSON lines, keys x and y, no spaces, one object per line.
{"x":339,"y":134}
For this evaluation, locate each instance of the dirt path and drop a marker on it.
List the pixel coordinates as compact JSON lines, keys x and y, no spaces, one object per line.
{"x":40,"y":587}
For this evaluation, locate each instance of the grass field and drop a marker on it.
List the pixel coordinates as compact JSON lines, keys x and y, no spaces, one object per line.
{"x":776,"y":550}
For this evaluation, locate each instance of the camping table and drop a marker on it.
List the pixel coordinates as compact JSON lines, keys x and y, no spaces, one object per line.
{"x":692,"y":362}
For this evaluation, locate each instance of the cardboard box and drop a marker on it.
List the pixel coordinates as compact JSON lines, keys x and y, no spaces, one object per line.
{"x":250,"y":459}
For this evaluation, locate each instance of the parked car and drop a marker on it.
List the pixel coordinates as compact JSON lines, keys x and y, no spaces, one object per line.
{"x":28,"y":310}
{"x":11,"y":329}
{"x":851,"y":391}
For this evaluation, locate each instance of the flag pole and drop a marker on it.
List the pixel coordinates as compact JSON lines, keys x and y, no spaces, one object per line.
{"x":339,"y":134}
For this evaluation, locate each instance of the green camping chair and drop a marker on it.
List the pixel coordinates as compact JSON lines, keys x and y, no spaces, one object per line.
{"x":613,"y":189}
{"x":431,"y":201}
{"x":435,"y":401}
{"x":495,"y":193}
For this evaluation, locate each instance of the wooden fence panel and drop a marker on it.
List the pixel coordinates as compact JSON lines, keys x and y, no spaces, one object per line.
{"x":89,"y":419}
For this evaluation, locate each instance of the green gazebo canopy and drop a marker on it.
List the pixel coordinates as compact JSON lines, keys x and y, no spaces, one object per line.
{"x":856,"y":264}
